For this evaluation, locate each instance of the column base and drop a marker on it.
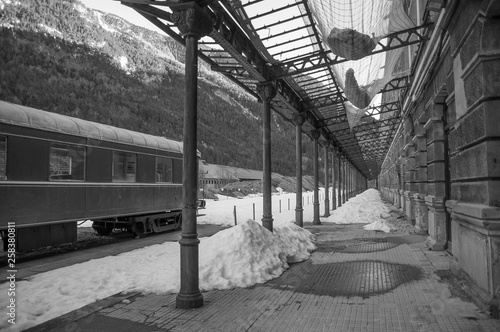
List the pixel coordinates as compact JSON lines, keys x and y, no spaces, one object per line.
{"x":436,"y":222}
{"x":327,"y":209}
{"x":409,"y":210}
{"x":299,"y":216}
{"x":267,"y":222}
{"x":189,"y":301}
{"x":316,"y":220}
{"x":421,"y":214}
{"x":434,"y":245}
{"x":402,"y":200}
{"x":476,"y":243}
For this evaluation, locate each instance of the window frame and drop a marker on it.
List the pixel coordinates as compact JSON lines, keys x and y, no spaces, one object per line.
{"x":124,"y":178}
{"x":164,"y":161}
{"x":73,"y":150}
{"x":3,"y":177}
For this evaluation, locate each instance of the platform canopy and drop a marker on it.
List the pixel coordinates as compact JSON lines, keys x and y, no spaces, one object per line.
{"x":345,"y":64}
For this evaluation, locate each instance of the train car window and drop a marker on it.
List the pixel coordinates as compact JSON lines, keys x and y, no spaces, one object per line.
{"x":67,"y":162}
{"x":163,"y":169}
{"x":3,"y":158}
{"x":124,"y":167}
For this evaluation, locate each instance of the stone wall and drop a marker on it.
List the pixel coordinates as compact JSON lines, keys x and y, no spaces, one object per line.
{"x":447,"y":152}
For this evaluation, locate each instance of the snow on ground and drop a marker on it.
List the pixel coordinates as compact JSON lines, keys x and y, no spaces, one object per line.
{"x":221,"y":212}
{"x":365,"y":208}
{"x":240,"y":256}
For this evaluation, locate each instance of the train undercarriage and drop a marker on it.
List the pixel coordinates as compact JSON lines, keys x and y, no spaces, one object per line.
{"x":140,"y":225}
{"x":33,"y":237}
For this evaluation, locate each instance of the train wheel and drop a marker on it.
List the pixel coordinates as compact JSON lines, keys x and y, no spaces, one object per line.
{"x":102,"y":229}
{"x":139,"y":229}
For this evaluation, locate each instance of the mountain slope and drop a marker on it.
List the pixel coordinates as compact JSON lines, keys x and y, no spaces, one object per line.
{"x":63,"y":57}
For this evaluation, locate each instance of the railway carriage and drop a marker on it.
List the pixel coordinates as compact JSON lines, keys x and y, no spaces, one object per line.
{"x":56,"y":170}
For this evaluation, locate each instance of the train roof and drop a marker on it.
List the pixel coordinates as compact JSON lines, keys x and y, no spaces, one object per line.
{"x":34,"y":118}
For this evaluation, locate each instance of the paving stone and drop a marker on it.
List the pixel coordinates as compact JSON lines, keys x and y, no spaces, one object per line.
{"x":336,"y":290}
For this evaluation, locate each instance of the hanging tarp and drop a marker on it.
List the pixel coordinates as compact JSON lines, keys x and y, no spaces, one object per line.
{"x":352,"y":29}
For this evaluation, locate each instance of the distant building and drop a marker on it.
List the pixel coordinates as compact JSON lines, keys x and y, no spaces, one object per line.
{"x":217,"y":176}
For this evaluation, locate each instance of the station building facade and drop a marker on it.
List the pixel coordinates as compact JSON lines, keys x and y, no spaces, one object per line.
{"x":443,"y":167}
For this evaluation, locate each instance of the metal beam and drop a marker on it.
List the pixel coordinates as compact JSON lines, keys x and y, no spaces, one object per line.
{"x":396,"y":84}
{"x":327,"y":58}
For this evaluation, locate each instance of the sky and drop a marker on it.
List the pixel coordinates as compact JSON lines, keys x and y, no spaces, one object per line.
{"x":240,"y":256}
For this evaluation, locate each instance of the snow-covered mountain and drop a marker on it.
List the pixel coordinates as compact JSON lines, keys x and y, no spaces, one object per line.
{"x":63,"y":57}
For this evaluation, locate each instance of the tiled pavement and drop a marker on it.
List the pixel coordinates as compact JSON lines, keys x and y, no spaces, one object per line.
{"x":357,"y":281}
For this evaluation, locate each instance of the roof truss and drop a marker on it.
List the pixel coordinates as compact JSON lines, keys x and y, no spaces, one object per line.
{"x":236,"y":47}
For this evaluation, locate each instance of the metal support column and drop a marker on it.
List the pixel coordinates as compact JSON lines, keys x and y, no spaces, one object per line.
{"x":334,"y":182}
{"x":356,"y":177}
{"x":347,"y":180}
{"x":340,"y":182}
{"x":326,"y":146}
{"x":298,"y":120}
{"x":353,"y":172}
{"x":349,"y":172}
{"x":353,"y":181}
{"x":344,"y":180}
{"x":266,"y":91}
{"x":189,"y":295}
{"x":315,"y":135}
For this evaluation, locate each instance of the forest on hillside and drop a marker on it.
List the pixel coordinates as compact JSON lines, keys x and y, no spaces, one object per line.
{"x":49,"y":60}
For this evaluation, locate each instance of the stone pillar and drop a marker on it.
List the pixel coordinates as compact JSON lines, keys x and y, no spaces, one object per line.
{"x":267,"y":92}
{"x":410,"y":176}
{"x":189,"y":295}
{"x":421,"y":210}
{"x":435,"y":198}
{"x":315,"y":135}
{"x":402,"y":172}
{"x":334,"y":182}
{"x":298,"y":120}
{"x":326,"y":146}
{"x":473,"y":115}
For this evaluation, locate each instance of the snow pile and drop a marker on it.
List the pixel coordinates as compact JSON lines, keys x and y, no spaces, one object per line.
{"x":298,"y":242}
{"x":365,"y":208}
{"x":251,"y":254}
{"x":240,"y":256}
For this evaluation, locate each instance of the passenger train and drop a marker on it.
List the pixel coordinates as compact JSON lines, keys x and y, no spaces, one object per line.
{"x":56,"y":170}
